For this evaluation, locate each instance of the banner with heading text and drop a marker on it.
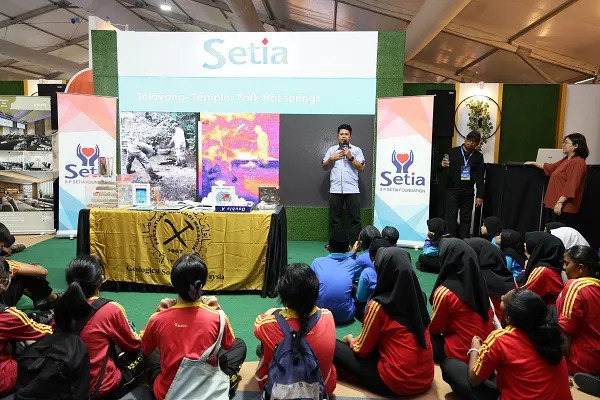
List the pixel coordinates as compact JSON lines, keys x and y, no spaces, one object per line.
{"x":260,"y":72}
{"x":403,"y":170}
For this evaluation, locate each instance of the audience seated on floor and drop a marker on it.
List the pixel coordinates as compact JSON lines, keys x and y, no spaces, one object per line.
{"x":578,"y":308}
{"x":197,"y":348}
{"x":429,"y":261}
{"x":390,"y":234}
{"x":335,"y":273}
{"x":513,"y":248}
{"x":363,"y":260}
{"x":569,"y":236}
{"x":298,"y":290}
{"x":491,"y":227}
{"x":526,"y":357}
{"x":368,"y":279}
{"x":393,"y":355}
{"x":460,"y":302}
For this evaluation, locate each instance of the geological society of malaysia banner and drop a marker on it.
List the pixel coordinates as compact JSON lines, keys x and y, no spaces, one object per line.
{"x":241,"y":72}
{"x":404,"y":131}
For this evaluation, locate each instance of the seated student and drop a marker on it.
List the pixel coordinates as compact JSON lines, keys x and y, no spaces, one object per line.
{"x":390,"y":234}
{"x":109,"y":325}
{"x":335,"y":273}
{"x":578,"y":309}
{"x":393,"y":354}
{"x":368,"y":279}
{"x":429,"y":261}
{"x":553,"y":225}
{"x":569,"y":236}
{"x":526,"y":356}
{"x":196,"y":321}
{"x":460,"y":302}
{"x":491,"y":227}
{"x":512,"y":247}
{"x":542,"y":274}
{"x":298,"y":290}
{"x":14,"y":326}
{"x":30,"y":280}
{"x":498,"y":278}
{"x":366,"y":236}
{"x":7,"y":242}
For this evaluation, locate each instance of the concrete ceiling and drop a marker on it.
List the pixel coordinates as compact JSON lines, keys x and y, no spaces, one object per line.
{"x":512,"y":41}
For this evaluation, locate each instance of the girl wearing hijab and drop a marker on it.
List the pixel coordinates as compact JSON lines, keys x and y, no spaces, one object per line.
{"x":429,"y":261}
{"x":543,"y":272}
{"x":526,"y":356}
{"x":511,"y":244}
{"x":578,"y":309}
{"x":491,"y":227}
{"x":393,"y":354}
{"x":498,"y":278}
{"x":570,"y":237}
{"x":460,"y":302}
{"x":553,"y":225}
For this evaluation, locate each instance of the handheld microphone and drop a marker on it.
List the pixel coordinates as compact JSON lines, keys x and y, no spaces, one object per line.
{"x":344,"y":147}
{"x":446,"y":157}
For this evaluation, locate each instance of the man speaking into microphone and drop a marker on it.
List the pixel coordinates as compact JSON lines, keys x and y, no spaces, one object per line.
{"x":345,"y":161}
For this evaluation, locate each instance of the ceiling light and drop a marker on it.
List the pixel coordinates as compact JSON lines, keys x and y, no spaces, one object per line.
{"x":585,"y":80}
{"x":165,"y":6}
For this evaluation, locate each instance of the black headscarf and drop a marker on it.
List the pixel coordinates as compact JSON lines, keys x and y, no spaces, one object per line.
{"x":494,"y":226}
{"x":438,"y":227}
{"x":554,"y":225}
{"x":399,"y":293}
{"x":545,"y":250}
{"x":498,"y":278}
{"x":461,"y":274}
{"x":511,"y":243}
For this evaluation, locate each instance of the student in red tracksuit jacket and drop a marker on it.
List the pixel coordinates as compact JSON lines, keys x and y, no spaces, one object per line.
{"x":108,"y":325}
{"x":543,"y":272}
{"x":460,"y":302}
{"x":14,"y":326}
{"x":393,"y":355}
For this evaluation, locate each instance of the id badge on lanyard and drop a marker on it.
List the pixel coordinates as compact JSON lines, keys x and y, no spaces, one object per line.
{"x":465,"y":170}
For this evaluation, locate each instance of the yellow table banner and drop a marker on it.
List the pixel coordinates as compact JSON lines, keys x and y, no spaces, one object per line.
{"x":141,"y":246}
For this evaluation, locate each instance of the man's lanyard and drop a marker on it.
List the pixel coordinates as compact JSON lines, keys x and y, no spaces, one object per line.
{"x":466,"y":158}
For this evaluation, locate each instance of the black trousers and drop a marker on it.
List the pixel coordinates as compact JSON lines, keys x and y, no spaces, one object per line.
{"x":336,"y":207}
{"x":455,"y":373}
{"x":437,"y":343}
{"x":569,"y":219}
{"x":429,"y":264}
{"x":37,"y":288}
{"x":459,"y":200}
{"x":363,"y":370}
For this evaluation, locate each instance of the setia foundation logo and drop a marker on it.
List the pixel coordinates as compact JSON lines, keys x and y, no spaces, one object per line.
{"x":404,"y":178}
{"x":87,"y":165}
{"x":218,"y":54}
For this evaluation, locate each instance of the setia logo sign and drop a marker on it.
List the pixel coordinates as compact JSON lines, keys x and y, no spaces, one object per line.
{"x":403,"y":179}
{"x":218,"y":54}
{"x":88,"y":164}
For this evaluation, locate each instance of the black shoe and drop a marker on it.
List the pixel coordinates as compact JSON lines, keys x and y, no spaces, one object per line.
{"x":259,"y":350}
{"x":588,"y":383}
{"x":17,"y":248}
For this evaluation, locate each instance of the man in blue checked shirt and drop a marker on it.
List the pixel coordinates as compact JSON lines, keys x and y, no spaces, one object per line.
{"x":345,"y":161}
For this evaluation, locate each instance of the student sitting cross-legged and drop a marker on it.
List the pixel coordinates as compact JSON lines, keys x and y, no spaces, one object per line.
{"x":460,"y":302}
{"x":429,"y":261}
{"x":393,"y":355}
{"x":363,"y":260}
{"x":390,"y":234}
{"x":526,"y":357}
{"x":197,"y":347}
{"x":298,"y":290}
{"x":335,"y":273}
{"x":14,"y":326}
{"x":578,"y":309}
{"x":368,"y":279}
{"x":108,"y":326}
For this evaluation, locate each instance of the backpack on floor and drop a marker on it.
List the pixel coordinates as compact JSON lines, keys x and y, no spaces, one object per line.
{"x":294,"y":373}
{"x":57,"y":366}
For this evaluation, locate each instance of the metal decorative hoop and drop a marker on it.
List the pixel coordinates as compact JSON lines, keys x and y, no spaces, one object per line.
{"x":498,"y":122}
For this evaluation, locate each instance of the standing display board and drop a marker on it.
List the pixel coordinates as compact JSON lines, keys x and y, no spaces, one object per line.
{"x":403,"y":170}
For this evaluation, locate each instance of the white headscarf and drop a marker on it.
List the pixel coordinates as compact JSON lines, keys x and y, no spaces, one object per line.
{"x":570,"y":237}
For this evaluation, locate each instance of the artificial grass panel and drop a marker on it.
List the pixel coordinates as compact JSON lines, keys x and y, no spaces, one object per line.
{"x":312,"y":223}
{"x":12,"y":88}
{"x":420,"y":89}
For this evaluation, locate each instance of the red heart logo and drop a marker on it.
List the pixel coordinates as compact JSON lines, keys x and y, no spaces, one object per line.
{"x":88,"y":151}
{"x":402,"y":158}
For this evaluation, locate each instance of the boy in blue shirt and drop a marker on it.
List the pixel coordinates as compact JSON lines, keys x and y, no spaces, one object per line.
{"x":390,"y":234}
{"x":368,"y":278}
{"x":335,"y":273}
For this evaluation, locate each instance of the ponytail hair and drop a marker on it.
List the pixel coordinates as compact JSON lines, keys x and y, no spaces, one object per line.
{"x":527,"y":312}
{"x":188,"y":276}
{"x":587,"y":257}
{"x":298,"y":290}
{"x":84,"y":277}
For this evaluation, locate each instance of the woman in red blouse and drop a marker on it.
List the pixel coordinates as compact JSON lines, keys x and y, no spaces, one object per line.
{"x":567,"y":180}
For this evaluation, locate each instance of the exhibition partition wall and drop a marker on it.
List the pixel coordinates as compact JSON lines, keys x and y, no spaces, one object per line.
{"x":267,"y":106}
